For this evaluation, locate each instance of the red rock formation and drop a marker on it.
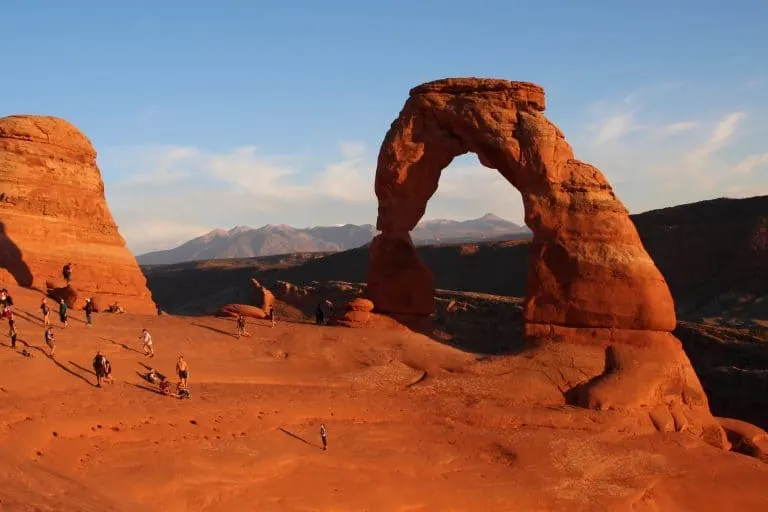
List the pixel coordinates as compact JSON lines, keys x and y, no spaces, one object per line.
{"x":590,"y":281}
{"x":232,"y":310}
{"x":53,"y":211}
{"x":262,"y":297}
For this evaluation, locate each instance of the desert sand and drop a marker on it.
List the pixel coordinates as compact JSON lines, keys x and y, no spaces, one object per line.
{"x":413,"y":425}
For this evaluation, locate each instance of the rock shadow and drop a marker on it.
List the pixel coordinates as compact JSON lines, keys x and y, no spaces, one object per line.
{"x":12,"y":260}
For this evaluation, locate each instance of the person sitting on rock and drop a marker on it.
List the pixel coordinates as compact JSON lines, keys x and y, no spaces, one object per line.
{"x":46,"y":311}
{"x":165,"y":386}
{"x":152,"y":377}
{"x":67,"y":272}
{"x":63,"y":312}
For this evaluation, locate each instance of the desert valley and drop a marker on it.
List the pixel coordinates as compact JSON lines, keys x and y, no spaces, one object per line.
{"x":608,"y":362}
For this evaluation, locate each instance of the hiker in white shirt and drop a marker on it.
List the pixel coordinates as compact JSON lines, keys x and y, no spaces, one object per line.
{"x":146,"y":340}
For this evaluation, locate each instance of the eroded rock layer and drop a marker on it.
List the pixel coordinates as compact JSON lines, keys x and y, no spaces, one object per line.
{"x":53,"y":212}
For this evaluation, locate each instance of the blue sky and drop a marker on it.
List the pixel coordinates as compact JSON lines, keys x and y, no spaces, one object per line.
{"x":214,"y":114}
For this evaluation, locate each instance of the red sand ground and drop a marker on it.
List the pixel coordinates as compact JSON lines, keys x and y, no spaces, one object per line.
{"x":413,"y":425}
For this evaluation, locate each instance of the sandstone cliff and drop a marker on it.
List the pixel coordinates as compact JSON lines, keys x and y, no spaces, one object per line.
{"x":53,"y":211}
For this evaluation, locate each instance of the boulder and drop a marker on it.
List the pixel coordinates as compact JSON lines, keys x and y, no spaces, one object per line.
{"x":53,"y":211}
{"x":67,"y":293}
{"x":262,"y":297}
{"x":232,"y":310}
{"x":746,"y":438}
{"x":359,"y":304}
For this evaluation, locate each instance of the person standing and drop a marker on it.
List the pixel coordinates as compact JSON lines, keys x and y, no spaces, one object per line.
{"x":50,"y":340}
{"x":271,"y":316}
{"x":240,"y":326}
{"x":12,"y":332}
{"x":324,"y":436}
{"x":183,"y":371}
{"x":88,"y":312}
{"x":99,"y":367}
{"x":319,"y":315}
{"x":146,"y":340}
{"x":46,"y":311}
{"x":67,"y":272}
{"x":63,"y":312}
{"x":108,"y":371}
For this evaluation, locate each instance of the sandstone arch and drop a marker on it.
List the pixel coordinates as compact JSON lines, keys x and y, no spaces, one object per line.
{"x":590,"y":281}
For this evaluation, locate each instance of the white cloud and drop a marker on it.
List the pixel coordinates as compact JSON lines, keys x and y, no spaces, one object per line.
{"x":662,"y":161}
{"x":723,"y":132}
{"x":751,"y":163}
{"x":614,"y":127}
{"x":678,"y":127}
{"x":164,"y":195}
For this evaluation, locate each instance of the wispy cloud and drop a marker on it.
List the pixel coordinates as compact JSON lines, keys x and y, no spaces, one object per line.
{"x":164,"y":195}
{"x":182,"y":192}
{"x":751,"y":164}
{"x":615,"y":127}
{"x":723,"y":132}
{"x":678,"y":127}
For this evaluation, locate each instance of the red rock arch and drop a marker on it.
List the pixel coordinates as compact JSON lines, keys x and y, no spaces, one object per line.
{"x":588,"y":265}
{"x":598,"y":313}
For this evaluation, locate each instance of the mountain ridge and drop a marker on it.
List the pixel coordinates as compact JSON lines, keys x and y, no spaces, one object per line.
{"x":272,"y":239}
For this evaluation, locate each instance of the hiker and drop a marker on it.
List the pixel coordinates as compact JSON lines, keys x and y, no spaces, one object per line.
{"x":146,"y":340}
{"x":108,"y":371}
{"x":152,"y":377}
{"x":99,"y":363}
{"x":116,"y":308}
{"x":319,"y":315}
{"x":63,"y":312}
{"x":159,"y":311}
{"x":46,"y":311}
{"x":7,"y":312}
{"x":271,"y":315}
{"x":183,"y":371}
{"x":165,"y":386}
{"x":49,"y":339}
{"x":240,"y":326}
{"x":88,"y":312}
{"x":323,"y":436}
{"x":12,"y":333}
{"x":67,"y":272}
{"x":3,"y":296}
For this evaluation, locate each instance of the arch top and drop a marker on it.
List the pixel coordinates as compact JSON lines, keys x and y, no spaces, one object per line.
{"x":526,"y":92}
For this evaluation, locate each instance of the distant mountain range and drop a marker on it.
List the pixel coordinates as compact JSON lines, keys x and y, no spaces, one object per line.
{"x":246,"y":242}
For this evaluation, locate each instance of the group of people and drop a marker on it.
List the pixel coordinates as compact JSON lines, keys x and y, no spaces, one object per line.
{"x":102,"y":367}
{"x":160,"y":380}
{"x":240,"y":323}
